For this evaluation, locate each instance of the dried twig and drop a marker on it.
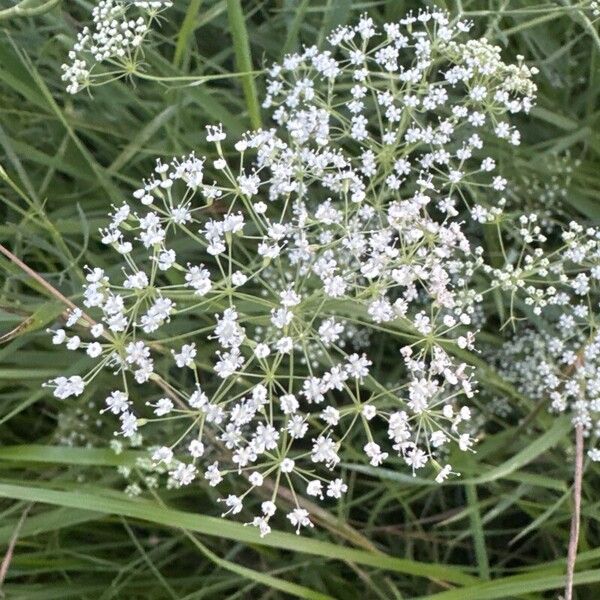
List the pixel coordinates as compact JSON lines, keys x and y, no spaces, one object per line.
{"x":11,"y":547}
{"x":36,"y":277}
{"x":575,"y":518}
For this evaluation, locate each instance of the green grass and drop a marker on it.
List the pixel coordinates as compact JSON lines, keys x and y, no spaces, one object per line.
{"x":501,"y":531}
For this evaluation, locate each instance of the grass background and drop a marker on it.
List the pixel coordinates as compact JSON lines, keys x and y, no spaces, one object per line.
{"x":69,"y":532}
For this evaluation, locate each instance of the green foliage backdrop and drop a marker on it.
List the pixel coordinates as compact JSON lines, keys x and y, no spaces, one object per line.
{"x":501,"y":531}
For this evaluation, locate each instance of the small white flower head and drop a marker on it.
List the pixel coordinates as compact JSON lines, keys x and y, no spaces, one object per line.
{"x":185,"y":357}
{"x":376,"y":456}
{"x":315,"y":488}
{"x":336,"y":488}
{"x":119,"y":29}
{"x":368,"y":411}
{"x":299,"y":517}
{"x":233,"y":503}
{"x":262,"y":350}
{"x":443,"y":474}
{"x":196,"y":449}
{"x":183,"y":474}
{"x":163,"y":454}
{"x":256,"y":479}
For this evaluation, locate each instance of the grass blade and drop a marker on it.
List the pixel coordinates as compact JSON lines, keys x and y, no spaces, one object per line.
{"x":477,"y":530}
{"x":241,"y":47}
{"x":149,"y":511}
{"x":186,"y":30}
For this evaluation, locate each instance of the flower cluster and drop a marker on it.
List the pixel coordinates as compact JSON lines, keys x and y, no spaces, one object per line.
{"x":114,"y":40}
{"x":545,"y":193}
{"x":347,"y":228}
{"x":559,"y":360}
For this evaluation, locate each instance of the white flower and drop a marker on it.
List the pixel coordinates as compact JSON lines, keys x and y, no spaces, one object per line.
{"x":315,"y":488}
{"x":438,"y":439}
{"x":234,"y":503}
{"x":373,"y":451}
{"x":197,"y":399}
{"x":268,"y":508}
{"x":416,"y":459}
{"x":346,"y":231}
{"x":288,"y":403}
{"x":331,"y":416}
{"x":163,"y":407}
{"x":129,"y":424}
{"x":248,"y":184}
{"x":64,"y":387}
{"x":59,"y":336}
{"x":443,"y":474}
{"x":94,"y":350}
{"x":381,"y":310}
{"x":262,"y":350}
{"x":196,"y":448}
{"x":183,"y":474}
{"x":336,"y":488}
{"x":74,"y":342}
{"x":256,"y":479}
{"x":287,"y":465}
{"x":368,"y":411}
{"x":284,"y":345}
{"x":185,"y":357}
{"x":324,"y":450}
{"x":198,"y":278}
{"x":215,"y":133}
{"x":238,"y":278}
{"x":330,"y":331}
{"x":163,"y":454}
{"x":117,"y":402}
{"x":213,"y":475}
{"x":464,"y":442}
{"x":299,"y":518}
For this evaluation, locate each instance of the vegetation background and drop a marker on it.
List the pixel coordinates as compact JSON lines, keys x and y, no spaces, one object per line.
{"x":68,"y":531}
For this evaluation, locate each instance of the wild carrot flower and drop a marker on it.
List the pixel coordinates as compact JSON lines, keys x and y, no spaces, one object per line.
{"x":347,"y":226}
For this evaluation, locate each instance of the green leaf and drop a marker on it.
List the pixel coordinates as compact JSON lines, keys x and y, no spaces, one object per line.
{"x":262,"y":578}
{"x":48,"y":520}
{"x":532,"y":451}
{"x":516,"y":586}
{"x":149,"y":511}
{"x":98,"y":457}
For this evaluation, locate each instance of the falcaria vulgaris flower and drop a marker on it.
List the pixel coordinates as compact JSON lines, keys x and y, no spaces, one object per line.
{"x":331,"y":277}
{"x":556,"y":357}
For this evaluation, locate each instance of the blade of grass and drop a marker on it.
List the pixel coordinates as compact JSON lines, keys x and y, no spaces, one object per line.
{"x":97,"y":457}
{"x":241,"y":47}
{"x":276,"y":583}
{"x":149,"y":511}
{"x":49,"y":521}
{"x":170,"y":591}
{"x":515,"y":586}
{"x":483,"y":563}
{"x":137,"y":143}
{"x":532,"y":451}
{"x":50,"y":102}
{"x":185,"y":31}
{"x":28,"y":8}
